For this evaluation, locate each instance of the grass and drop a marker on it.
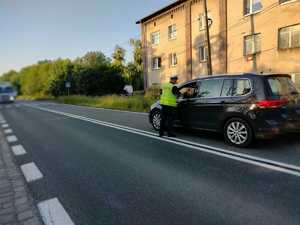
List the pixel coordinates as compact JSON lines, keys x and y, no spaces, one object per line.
{"x":139,"y":102}
{"x":136,"y":103}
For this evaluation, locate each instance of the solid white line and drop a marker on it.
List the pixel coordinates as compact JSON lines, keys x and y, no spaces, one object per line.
{"x":8,"y":131}
{"x":18,"y":150}
{"x":269,"y":164}
{"x":31,"y":172}
{"x":5,"y":125}
{"x":11,"y":138}
{"x":53,"y":213}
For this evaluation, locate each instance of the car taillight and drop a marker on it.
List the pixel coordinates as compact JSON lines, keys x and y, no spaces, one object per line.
{"x":272,"y":103}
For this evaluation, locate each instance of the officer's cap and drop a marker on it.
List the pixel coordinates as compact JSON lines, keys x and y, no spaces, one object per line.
{"x":174,"y":78}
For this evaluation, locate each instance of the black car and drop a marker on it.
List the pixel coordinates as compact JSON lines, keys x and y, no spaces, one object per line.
{"x":242,"y":107}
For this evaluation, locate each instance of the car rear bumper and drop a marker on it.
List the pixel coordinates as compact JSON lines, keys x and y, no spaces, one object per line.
{"x":274,"y":128}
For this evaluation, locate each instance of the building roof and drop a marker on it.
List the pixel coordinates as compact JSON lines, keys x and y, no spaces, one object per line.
{"x":160,"y":11}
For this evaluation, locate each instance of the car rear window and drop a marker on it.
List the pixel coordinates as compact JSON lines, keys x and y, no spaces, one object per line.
{"x":241,"y":87}
{"x":281,"y":86}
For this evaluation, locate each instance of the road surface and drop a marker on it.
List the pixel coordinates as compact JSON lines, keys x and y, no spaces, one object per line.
{"x":108,"y":167}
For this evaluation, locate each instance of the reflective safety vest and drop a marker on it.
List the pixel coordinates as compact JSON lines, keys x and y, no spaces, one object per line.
{"x":168,"y":98}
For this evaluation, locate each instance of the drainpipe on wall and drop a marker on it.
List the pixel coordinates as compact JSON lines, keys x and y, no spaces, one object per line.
{"x":188,"y":35}
{"x":209,"y":63}
{"x":254,"y":60}
{"x":144,"y":53}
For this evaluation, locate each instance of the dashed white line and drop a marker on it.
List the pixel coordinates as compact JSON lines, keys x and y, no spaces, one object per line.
{"x":18,"y":150}
{"x":5,"y":125}
{"x":8,"y":131}
{"x":2,"y":121}
{"x":53,"y":213}
{"x":31,"y":172}
{"x":11,"y":138}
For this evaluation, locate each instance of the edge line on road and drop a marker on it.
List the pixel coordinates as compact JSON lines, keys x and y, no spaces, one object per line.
{"x":269,"y":164}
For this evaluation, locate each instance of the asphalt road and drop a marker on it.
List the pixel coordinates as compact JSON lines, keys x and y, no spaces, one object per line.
{"x":106,"y":174}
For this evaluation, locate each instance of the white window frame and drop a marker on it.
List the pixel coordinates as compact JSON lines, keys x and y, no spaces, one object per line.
{"x":255,"y":49}
{"x":251,"y":8}
{"x":155,"y":63}
{"x":155,"y":41}
{"x":202,"y":24}
{"x":173,"y":59}
{"x":290,"y":31}
{"x":203,"y":52}
{"x":172,"y":32}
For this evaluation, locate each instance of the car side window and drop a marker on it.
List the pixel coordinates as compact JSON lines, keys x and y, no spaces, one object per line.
{"x":241,"y":87}
{"x":210,"y":88}
{"x":189,"y":91}
{"x":227,"y":88}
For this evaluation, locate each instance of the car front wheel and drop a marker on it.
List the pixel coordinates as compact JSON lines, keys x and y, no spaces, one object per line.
{"x":238,"y":132}
{"x":156,"y":120}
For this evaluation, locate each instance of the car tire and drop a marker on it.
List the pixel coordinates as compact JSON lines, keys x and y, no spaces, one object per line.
{"x":238,"y":132}
{"x":156,"y":119}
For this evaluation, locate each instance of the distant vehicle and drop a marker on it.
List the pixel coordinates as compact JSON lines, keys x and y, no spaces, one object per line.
{"x":241,"y":107}
{"x":7,"y":93}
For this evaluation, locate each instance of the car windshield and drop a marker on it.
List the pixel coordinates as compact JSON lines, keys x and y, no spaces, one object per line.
{"x":6,"y":90}
{"x":281,"y":86}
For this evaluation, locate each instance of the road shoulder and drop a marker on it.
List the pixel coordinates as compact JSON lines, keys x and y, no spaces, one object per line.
{"x":16,"y":204}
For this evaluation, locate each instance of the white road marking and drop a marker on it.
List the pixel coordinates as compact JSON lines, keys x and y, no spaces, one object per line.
{"x":5,"y":125}
{"x":53,"y":213}
{"x":258,"y":161}
{"x":8,"y":131}
{"x":18,"y":150}
{"x":12,"y":138}
{"x":8,"y":106}
{"x":2,"y":121}
{"x":31,"y":172}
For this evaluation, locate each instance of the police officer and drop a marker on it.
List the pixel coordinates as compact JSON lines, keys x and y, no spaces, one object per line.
{"x":168,"y":99}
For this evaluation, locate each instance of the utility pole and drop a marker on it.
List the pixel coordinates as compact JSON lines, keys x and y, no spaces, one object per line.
{"x":209,"y":64}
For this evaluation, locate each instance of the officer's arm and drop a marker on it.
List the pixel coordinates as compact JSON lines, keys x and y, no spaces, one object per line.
{"x":175,"y":91}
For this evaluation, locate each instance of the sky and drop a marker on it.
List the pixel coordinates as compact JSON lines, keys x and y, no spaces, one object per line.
{"x":34,"y":30}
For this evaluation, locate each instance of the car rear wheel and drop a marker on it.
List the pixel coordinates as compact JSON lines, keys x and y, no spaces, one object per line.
{"x":156,"y":120}
{"x":238,"y":132}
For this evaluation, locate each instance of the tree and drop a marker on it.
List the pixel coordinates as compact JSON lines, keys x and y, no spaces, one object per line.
{"x":137,"y":53}
{"x":118,"y":56}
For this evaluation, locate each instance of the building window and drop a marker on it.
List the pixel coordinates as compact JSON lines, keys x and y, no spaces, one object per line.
{"x":202,"y":20}
{"x":172,"y":32}
{"x":156,"y":63}
{"x":289,"y":37}
{"x":252,"y":6}
{"x":155,"y":38}
{"x":203,"y":52}
{"x":252,"y":44}
{"x":173,"y":59}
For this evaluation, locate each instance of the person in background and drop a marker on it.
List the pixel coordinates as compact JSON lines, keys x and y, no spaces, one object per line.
{"x":168,"y":101}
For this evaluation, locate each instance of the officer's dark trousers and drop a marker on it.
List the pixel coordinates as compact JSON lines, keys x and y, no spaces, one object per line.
{"x":168,"y":114}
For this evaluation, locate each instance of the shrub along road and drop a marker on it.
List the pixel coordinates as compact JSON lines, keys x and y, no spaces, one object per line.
{"x":104,"y":173}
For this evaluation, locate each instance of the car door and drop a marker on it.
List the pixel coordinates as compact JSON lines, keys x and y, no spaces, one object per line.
{"x":207,"y":110}
{"x":188,"y":92}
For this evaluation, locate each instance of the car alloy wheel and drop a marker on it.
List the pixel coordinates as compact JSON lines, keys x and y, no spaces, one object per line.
{"x":156,"y":120}
{"x":238,"y":132}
